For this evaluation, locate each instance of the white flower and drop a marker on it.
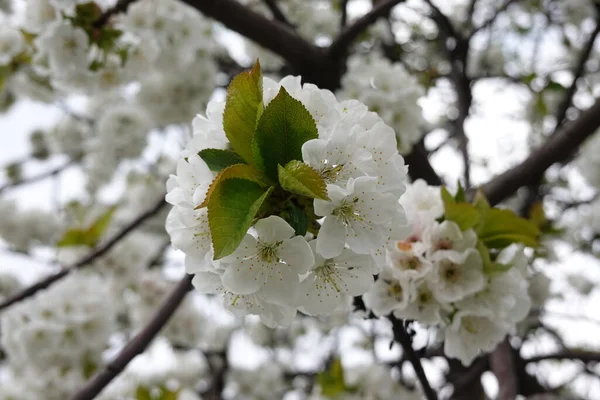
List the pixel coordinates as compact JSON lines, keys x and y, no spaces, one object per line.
{"x":270,"y":262}
{"x":330,"y":281}
{"x":407,"y":259}
{"x":471,"y":334}
{"x":356,"y":215}
{"x":423,"y":306}
{"x":388,"y":294}
{"x":11,"y":43}
{"x":66,"y":46}
{"x":423,"y":203}
{"x":457,"y":275}
{"x":448,"y":236}
{"x":123,"y":128}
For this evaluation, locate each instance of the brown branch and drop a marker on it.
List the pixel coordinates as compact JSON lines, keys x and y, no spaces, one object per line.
{"x":402,"y":337}
{"x":138,"y":344}
{"x":36,"y":178}
{"x":567,"y":99}
{"x":340,"y":45}
{"x":419,"y":166}
{"x":493,"y":18}
{"x":567,"y":354}
{"x":120,"y":7}
{"x":277,"y":13}
{"x":558,"y":147}
{"x":307,"y":59}
{"x":87,"y":260}
{"x":502,"y":364}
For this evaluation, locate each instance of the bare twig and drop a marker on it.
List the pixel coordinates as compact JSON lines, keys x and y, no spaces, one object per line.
{"x":558,"y":147}
{"x":87,"y":260}
{"x":36,"y":178}
{"x":344,"y":13}
{"x":503,"y":366}
{"x":277,"y":13}
{"x":567,"y":354}
{"x":138,"y":344}
{"x":402,"y":337}
{"x":120,"y":7}
{"x":567,"y":99}
{"x":340,"y":45}
{"x":492,"y":19}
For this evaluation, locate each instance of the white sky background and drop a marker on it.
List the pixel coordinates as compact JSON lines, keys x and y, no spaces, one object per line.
{"x":493,"y":132}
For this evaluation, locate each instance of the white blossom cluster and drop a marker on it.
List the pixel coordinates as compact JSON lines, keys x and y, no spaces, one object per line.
{"x":390,"y":91}
{"x":436,"y":277}
{"x":54,"y":341}
{"x":588,"y":162}
{"x":12,"y":44}
{"x":273,"y":272}
{"x":24,"y":228}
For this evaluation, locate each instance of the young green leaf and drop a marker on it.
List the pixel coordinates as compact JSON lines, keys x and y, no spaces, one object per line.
{"x":243,"y":107}
{"x":490,"y":267}
{"x":332,"y":381}
{"x":446,"y":196}
{"x":460,"y":195}
{"x":503,"y":227}
{"x":232,"y":207}
{"x":299,"y":178}
{"x":218,"y":159}
{"x":88,"y":236}
{"x":465,"y":215}
{"x":242,"y":171}
{"x":283,"y":128}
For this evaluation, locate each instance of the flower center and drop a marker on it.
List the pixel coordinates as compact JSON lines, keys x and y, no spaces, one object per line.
{"x":450,"y":272}
{"x":444,"y":244}
{"x":327,"y":273}
{"x":268,"y":252}
{"x":330,"y":172}
{"x":346,"y":211}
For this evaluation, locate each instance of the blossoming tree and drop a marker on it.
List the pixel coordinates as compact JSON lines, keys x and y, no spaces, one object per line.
{"x":301,"y":199}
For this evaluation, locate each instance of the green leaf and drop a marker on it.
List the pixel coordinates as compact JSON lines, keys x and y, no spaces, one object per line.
{"x":503,"y":227}
{"x":242,"y":171}
{"x":490,"y":267}
{"x":243,"y":107}
{"x":460,"y":195}
{"x":446,"y":196}
{"x":143,"y":393}
{"x":232,"y":207}
{"x":218,"y":159}
{"x":465,"y":215}
{"x":299,"y":178}
{"x":297,"y":219}
{"x":90,"y":235}
{"x":281,"y":131}
{"x":331,"y":380}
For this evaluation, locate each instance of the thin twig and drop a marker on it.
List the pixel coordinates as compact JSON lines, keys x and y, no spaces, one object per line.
{"x":138,"y":344}
{"x":567,"y":354}
{"x":344,"y":13}
{"x":277,"y":13}
{"x":36,"y":178}
{"x":120,"y":7}
{"x":493,"y":18}
{"x":87,"y":260}
{"x":558,"y":147}
{"x":346,"y":37}
{"x":402,"y":337}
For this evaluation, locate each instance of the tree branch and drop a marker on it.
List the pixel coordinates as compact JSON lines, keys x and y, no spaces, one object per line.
{"x":138,"y":344}
{"x":340,"y":45}
{"x":493,"y":18}
{"x":567,"y":354}
{"x":120,"y":7}
{"x":36,"y":178}
{"x":85,"y":261}
{"x":558,"y":147}
{"x":402,"y":337}
{"x":419,"y":166}
{"x":503,"y":366}
{"x":567,"y":99}
{"x":277,"y":13}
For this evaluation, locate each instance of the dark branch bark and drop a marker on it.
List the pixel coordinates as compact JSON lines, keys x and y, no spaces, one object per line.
{"x":558,"y":147}
{"x":277,"y":13}
{"x":120,"y":7}
{"x":567,"y":354}
{"x":36,"y":178}
{"x":402,"y":337}
{"x":138,"y":344}
{"x":340,"y":45}
{"x":503,"y":366}
{"x":87,"y":260}
{"x":307,"y":59}
{"x":419,"y":166}
{"x":567,"y":99}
